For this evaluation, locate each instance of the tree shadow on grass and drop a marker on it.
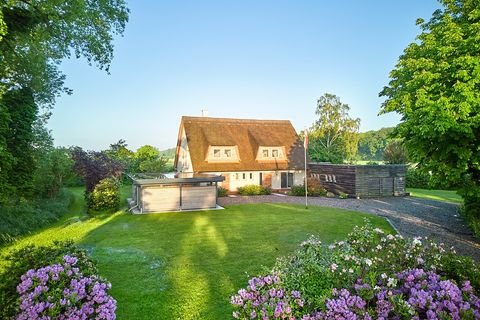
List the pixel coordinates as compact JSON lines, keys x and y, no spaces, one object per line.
{"x":187,"y":265}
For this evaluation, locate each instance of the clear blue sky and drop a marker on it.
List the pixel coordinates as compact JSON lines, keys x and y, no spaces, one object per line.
{"x":241,"y":59}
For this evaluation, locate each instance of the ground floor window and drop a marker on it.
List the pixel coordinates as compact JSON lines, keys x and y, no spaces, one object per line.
{"x":286,"y":180}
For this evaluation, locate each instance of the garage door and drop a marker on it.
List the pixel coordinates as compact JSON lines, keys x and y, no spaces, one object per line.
{"x":161,"y":199}
{"x":199,"y":197}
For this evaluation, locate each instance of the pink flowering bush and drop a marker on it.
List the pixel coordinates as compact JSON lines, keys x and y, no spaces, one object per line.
{"x":18,"y":262}
{"x":369,"y":276}
{"x":265,"y":298}
{"x":61,"y":291}
{"x":410,"y":294}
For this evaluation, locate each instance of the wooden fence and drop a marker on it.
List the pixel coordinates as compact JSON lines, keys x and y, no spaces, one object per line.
{"x":361,"y":181}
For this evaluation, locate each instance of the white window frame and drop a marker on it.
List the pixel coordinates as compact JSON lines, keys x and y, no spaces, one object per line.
{"x":222,"y":154}
{"x":280,"y":151}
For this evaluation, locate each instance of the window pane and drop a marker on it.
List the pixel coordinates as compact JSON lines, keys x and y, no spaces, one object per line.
{"x":228,"y":153}
{"x":290,"y":179}
{"x":265,"y":153}
{"x":216,"y":153}
{"x":274,"y":153}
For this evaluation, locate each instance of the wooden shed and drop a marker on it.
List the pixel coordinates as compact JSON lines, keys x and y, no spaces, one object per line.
{"x":361,"y":181}
{"x":184,"y":192}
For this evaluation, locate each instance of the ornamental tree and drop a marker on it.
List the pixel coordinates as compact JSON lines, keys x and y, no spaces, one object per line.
{"x":94,"y":166}
{"x":435,"y":87}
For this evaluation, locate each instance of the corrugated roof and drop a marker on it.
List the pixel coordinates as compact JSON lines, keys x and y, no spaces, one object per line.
{"x":248,"y":135}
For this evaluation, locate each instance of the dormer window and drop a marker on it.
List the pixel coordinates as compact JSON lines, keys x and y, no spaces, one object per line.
{"x":222,"y":154}
{"x":271,"y":154}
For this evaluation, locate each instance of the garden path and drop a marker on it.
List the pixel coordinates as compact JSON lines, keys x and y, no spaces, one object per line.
{"x":413,"y":217}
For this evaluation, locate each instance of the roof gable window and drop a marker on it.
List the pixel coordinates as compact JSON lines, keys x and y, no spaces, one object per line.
{"x":222,"y":154}
{"x":271,"y":154}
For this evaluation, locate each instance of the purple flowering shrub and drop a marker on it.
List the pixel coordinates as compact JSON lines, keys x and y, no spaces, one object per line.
{"x":410,"y":294}
{"x":18,"y":262}
{"x":265,"y":298}
{"x":348,"y":279}
{"x":315,"y":268}
{"x":61,"y":291}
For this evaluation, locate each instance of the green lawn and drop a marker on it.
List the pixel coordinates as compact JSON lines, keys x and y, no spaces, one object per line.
{"x":440,"y":195}
{"x":186,"y":265}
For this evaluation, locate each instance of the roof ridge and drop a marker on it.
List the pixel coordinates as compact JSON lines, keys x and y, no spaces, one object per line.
{"x":234,"y":119}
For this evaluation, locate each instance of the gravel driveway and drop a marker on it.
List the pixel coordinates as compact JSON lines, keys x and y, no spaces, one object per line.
{"x":410,"y":216}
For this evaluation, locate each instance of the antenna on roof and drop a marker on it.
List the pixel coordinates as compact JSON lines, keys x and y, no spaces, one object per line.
{"x":204,"y":113}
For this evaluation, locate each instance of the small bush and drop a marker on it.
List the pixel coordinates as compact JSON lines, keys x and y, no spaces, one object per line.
{"x":314,"y":188}
{"x":253,"y":190}
{"x":221,"y":192}
{"x":32,"y":257}
{"x":297,"y":190}
{"x":105,"y":195}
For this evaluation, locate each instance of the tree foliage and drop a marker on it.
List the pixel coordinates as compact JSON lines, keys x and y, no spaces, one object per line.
{"x":94,"y":166}
{"x":395,"y":152}
{"x":149,"y":159}
{"x":371,"y":144}
{"x":36,"y":35}
{"x":19,"y":111}
{"x":53,"y":167}
{"x":435,"y":87}
{"x":334,"y":136}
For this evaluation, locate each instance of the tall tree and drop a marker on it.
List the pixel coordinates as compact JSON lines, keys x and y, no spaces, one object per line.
{"x":334,"y":136}
{"x":19,"y":138}
{"x":435,"y":87}
{"x":119,"y":152}
{"x":35,"y":36}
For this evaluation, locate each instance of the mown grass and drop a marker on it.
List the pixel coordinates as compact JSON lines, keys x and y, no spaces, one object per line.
{"x":186,"y":265}
{"x":439,"y":195}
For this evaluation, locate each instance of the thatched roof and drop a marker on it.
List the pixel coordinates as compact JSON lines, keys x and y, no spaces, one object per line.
{"x":247,"y":135}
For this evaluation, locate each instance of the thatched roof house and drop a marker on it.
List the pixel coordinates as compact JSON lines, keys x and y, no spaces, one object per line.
{"x":244,"y":151}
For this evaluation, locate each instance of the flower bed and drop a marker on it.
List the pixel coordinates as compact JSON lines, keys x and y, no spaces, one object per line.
{"x":370,"y":275}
